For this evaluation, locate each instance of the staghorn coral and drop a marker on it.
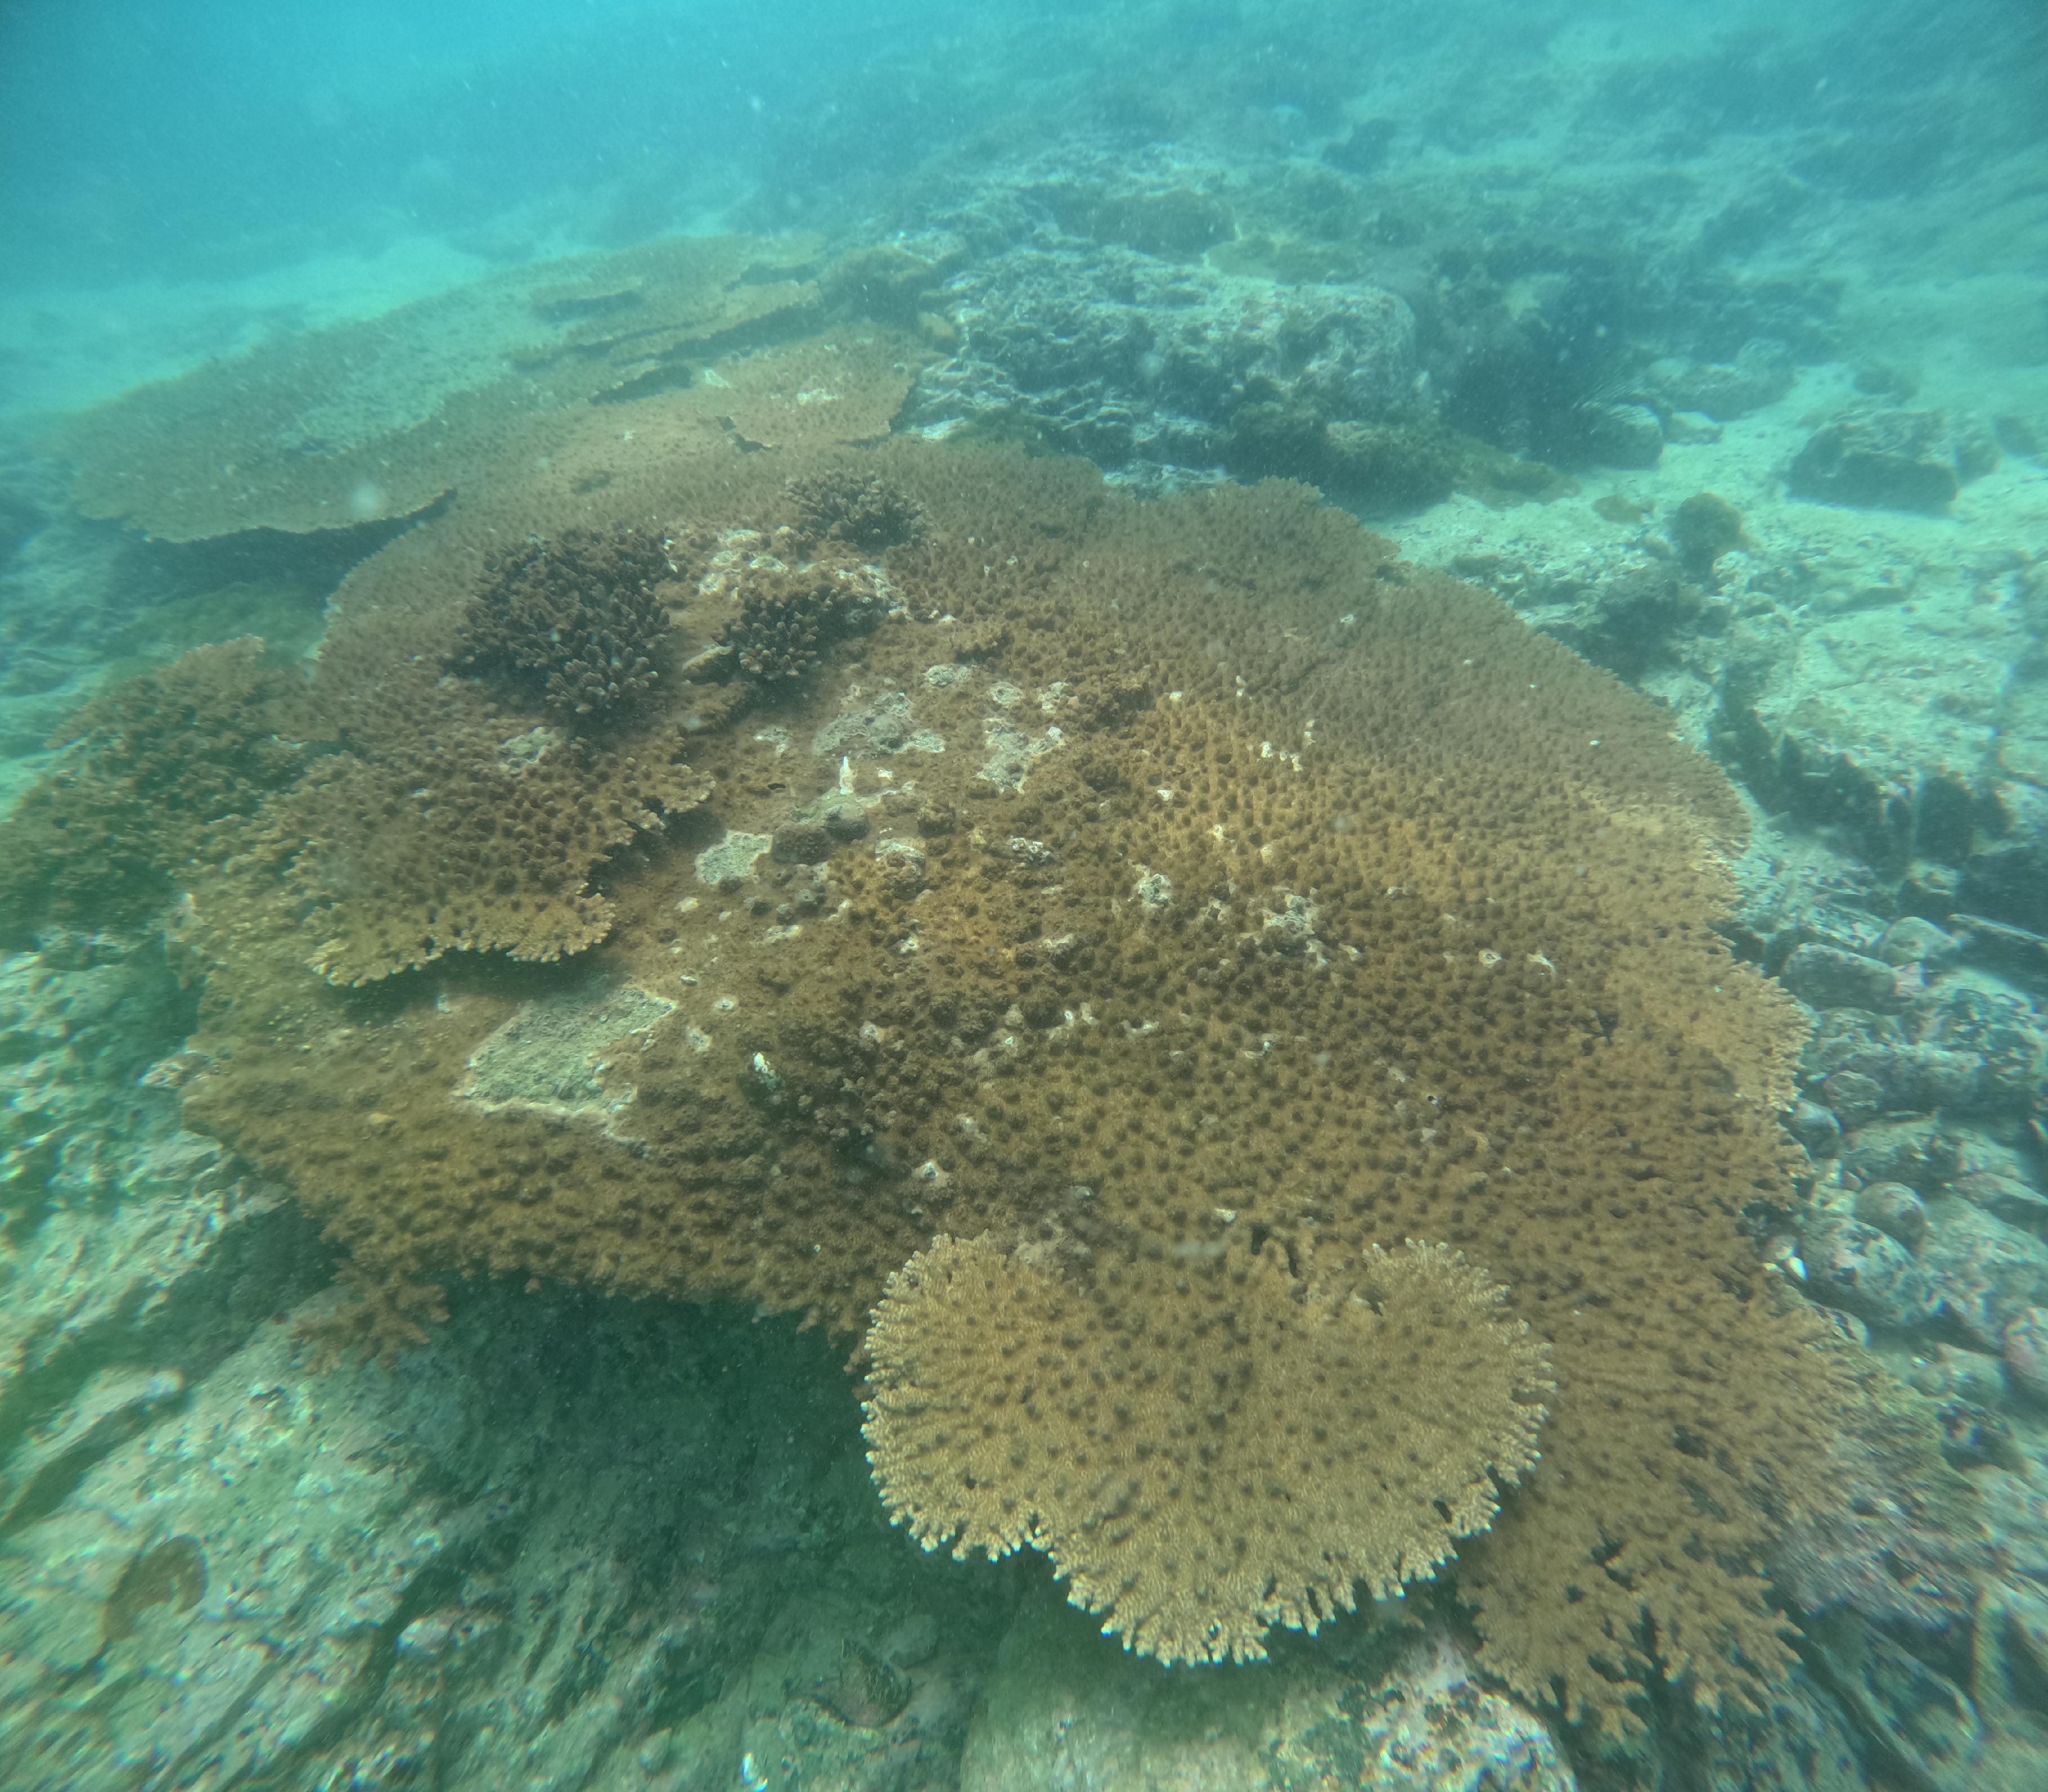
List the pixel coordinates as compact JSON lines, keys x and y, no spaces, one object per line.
{"x":1312,"y":1438}
{"x":1214,"y":875}
{"x":578,"y":619}
{"x":159,"y":772}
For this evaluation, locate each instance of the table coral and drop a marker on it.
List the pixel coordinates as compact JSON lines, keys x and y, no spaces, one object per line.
{"x":383,"y":417}
{"x":1308,"y":1437}
{"x":470,"y":842}
{"x":1429,"y":953}
{"x":157,"y":772}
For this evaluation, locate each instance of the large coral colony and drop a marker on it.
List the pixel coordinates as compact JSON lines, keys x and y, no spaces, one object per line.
{"x":1233,"y":1020}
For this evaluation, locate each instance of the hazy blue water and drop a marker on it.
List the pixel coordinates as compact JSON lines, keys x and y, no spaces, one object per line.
{"x":203,"y":141}
{"x":199,"y":138}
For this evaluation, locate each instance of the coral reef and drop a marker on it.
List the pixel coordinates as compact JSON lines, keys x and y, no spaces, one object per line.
{"x":461,"y":829}
{"x":578,"y":619}
{"x":1145,"y":364}
{"x":1325,"y":1436}
{"x":385,"y":417}
{"x":1188,"y":909}
{"x":473,"y":840}
{"x":159,"y":772}
{"x":1184,"y":889}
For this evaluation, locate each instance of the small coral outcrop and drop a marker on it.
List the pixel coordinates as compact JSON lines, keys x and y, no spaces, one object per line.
{"x":790,"y":617}
{"x":863,"y":511}
{"x":1252,"y":1472}
{"x":578,"y":620}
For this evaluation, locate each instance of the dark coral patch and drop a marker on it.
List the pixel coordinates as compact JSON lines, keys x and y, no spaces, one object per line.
{"x":577,"y":622}
{"x":861,"y":510}
{"x":789,"y":618}
{"x":157,"y":772}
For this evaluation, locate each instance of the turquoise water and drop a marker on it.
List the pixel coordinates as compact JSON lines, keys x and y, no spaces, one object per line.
{"x":808,"y":862}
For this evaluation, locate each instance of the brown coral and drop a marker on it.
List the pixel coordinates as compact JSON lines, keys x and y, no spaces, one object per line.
{"x":381,"y":417}
{"x":1264,"y":886}
{"x":1269,"y":1445}
{"x":579,"y":620}
{"x":160,"y":771}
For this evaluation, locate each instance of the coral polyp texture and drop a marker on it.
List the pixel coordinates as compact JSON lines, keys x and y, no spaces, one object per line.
{"x":380,"y":419}
{"x":1268,"y":1446}
{"x":580,"y":621}
{"x":1187,"y":901}
{"x":473,"y":843}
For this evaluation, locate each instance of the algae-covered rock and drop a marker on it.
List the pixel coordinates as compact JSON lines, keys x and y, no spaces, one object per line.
{"x":1894,"y":460}
{"x":1800,"y":1742}
{"x":1921,"y":1154}
{"x":1142,"y":364}
{"x":1761,"y":374}
{"x":1985,"y":1271}
{"x":1829,"y":978}
{"x":1920,"y":1715}
{"x":1851,"y":1265}
{"x":1175,"y":224}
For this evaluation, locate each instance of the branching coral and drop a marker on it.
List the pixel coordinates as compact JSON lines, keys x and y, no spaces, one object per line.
{"x":861,"y":510}
{"x":1267,"y":1446}
{"x":789,"y":617}
{"x":579,"y":620}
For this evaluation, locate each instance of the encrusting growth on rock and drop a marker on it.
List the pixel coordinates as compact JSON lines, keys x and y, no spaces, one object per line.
{"x":1289,"y":1440}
